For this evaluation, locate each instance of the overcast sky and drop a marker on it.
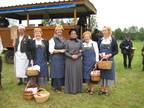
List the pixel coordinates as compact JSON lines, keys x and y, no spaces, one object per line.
{"x":114,"y":13}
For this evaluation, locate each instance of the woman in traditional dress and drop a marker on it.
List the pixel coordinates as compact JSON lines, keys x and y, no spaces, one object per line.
{"x":90,"y":58}
{"x":38,"y":54}
{"x":73,"y":69}
{"x":108,"y":48}
{"x":57,"y":50}
{"x":21,"y":61}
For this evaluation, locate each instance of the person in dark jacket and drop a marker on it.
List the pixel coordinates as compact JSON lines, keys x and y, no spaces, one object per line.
{"x":142,"y":53}
{"x":82,"y":22}
{"x":126,"y":49}
{"x":3,"y":22}
{"x":96,"y":35}
{"x":38,"y":54}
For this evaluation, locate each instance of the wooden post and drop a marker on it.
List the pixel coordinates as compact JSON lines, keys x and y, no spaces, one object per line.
{"x":74,"y":16}
{"x":28,"y":19}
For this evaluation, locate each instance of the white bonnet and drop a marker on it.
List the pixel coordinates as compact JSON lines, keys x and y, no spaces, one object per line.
{"x":21,"y":26}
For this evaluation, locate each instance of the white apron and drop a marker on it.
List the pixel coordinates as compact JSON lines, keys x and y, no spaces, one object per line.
{"x":21,"y":62}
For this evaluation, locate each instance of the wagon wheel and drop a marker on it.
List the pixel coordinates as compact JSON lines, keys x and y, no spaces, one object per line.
{"x":9,"y":57}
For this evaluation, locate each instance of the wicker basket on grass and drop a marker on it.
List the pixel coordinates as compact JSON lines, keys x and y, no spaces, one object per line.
{"x":28,"y":95}
{"x":42,"y":95}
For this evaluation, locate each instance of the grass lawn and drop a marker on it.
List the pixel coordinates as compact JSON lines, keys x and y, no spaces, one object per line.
{"x":127,"y":93}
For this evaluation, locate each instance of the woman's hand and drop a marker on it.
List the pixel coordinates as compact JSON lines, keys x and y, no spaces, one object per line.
{"x":107,"y":56}
{"x":74,"y":56}
{"x":80,"y":51}
{"x":95,"y":65}
{"x":32,"y":62}
{"x":101,"y":55}
{"x":63,"y":51}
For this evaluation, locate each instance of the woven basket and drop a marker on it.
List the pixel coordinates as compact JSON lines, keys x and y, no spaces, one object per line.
{"x":95,"y":75}
{"x":104,"y":64}
{"x":28,"y":95}
{"x":31,"y":72}
{"x":41,"y":99}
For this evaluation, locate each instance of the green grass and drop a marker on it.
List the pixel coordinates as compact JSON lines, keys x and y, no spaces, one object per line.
{"x":127,"y":93}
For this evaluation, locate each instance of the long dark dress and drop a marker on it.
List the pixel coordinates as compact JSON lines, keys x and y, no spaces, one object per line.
{"x":57,"y":69}
{"x":73,"y":69}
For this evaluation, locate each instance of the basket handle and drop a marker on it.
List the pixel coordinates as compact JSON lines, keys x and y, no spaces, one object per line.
{"x":28,"y":84}
{"x":42,"y":89}
{"x":103,"y":59}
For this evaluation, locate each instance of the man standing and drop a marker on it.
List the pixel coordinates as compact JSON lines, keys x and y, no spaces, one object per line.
{"x":21,"y":61}
{"x":1,"y":49}
{"x":82,"y":22}
{"x":3,"y":22}
{"x":126,"y":50}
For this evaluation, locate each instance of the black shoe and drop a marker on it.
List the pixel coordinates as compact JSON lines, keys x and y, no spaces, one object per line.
{"x":87,"y":91}
{"x":107,"y":94}
{"x":19,"y":83}
{"x":101,"y":92}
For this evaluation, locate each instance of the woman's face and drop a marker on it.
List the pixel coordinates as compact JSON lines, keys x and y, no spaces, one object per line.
{"x":37,"y":35}
{"x":105,"y":32}
{"x":87,"y":37}
{"x":73,"y":34}
{"x":59,"y":31}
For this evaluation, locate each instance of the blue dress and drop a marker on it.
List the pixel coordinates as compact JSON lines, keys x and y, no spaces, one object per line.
{"x":89,"y":59}
{"x":40,"y":60}
{"x":108,"y":75}
{"x":57,"y":70}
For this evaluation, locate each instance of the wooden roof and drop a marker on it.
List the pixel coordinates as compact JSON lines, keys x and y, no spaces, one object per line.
{"x":82,"y":8}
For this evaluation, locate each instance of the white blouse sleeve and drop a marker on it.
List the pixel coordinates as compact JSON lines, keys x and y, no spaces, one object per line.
{"x":96,"y":50}
{"x":51,"y":45}
{"x":1,"y":47}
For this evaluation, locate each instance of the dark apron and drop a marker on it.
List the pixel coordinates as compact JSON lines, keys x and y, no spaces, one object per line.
{"x":107,"y":73}
{"x":41,"y":61}
{"x":88,"y":61}
{"x":57,"y":69}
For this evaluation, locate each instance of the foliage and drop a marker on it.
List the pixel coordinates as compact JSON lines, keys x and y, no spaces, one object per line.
{"x":127,"y":93}
{"x":45,"y":21}
{"x":133,"y":31}
{"x":93,"y":23}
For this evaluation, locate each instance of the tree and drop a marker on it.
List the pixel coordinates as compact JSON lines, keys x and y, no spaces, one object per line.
{"x":133,"y":29}
{"x":118,"y":34}
{"x":125,"y":30}
{"x":45,"y":21}
{"x":93,"y":23}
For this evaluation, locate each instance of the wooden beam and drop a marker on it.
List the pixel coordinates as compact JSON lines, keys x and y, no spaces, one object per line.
{"x":74,"y":16}
{"x":28,"y":19}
